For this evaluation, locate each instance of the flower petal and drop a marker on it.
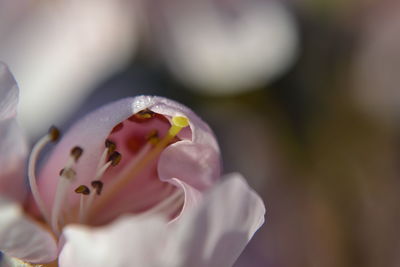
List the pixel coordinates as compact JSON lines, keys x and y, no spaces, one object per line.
{"x":191,"y":200}
{"x":196,"y":164}
{"x":22,"y":238}
{"x":8,"y":93}
{"x":13,"y":150}
{"x":13,"y":147}
{"x":213,"y":233}
{"x":129,"y":241}
{"x":216,"y":232}
{"x":91,"y":132}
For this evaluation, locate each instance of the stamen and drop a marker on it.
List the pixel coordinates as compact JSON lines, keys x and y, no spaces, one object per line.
{"x":67,"y":175}
{"x":144,"y":114}
{"x":112,"y":154}
{"x":111,"y":146}
{"x":115,"y":158}
{"x":62,"y":186}
{"x":76,"y":153}
{"x":134,"y":168}
{"x":52,"y":136}
{"x":84,"y":191}
{"x":102,"y":170}
{"x":104,"y":155}
{"x":98,"y":186}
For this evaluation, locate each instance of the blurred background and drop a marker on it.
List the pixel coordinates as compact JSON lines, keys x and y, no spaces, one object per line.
{"x":302,"y":94}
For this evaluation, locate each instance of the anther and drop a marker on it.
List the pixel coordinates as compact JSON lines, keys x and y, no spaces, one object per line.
{"x":145,"y":114}
{"x":98,"y":186}
{"x":115,"y":158}
{"x":76,"y":153}
{"x":54,"y":134}
{"x":82,"y":189}
{"x":68,"y":173}
{"x":110,"y":145}
{"x":142,"y":116}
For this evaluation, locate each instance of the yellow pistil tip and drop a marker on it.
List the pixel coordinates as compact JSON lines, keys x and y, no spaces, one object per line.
{"x":180,"y":121}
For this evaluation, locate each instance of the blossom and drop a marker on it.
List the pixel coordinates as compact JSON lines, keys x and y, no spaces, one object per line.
{"x":134,"y":183}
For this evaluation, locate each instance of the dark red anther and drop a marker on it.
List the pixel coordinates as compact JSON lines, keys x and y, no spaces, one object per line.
{"x":98,"y":186}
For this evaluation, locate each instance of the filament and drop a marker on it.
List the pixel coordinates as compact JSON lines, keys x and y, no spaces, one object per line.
{"x":52,"y":136}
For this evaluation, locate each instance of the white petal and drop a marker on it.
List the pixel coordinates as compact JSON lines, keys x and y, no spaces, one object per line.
{"x":216,"y":233}
{"x":22,"y":238}
{"x":8,"y":93}
{"x":13,"y":147}
{"x":193,"y":197}
{"x":212,"y":234}
{"x":129,"y":241}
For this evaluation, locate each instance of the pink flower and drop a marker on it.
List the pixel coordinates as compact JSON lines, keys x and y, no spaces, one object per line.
{"x":135,"y":183}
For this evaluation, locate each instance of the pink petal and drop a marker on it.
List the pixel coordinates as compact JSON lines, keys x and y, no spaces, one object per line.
{"x":215,"y":233}
{"x":91,"y":132}
{"x":129,"y":241}
{"x":13,"y":150}
{"x":196,"y":164}
{"x":8,"y":93}
{"x":22,"y":238}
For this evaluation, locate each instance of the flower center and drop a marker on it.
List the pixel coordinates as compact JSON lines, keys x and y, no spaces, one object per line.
{"x":93,"y":198}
